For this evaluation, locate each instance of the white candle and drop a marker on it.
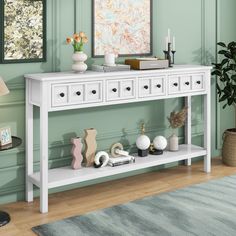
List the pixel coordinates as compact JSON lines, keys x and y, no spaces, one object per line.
{"x":173,"y":43}
{"x":168,"y":35}
{"x":166,"y":43}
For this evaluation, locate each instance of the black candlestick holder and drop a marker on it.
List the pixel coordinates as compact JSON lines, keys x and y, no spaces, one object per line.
{"x":171,"y":59}
{"x":173,"y":56}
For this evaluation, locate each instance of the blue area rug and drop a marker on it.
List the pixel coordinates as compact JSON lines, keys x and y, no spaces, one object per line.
{"x":202,"y":210}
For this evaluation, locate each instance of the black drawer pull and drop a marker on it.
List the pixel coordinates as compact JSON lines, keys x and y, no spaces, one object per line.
{"x":94,"y":91}
{"x":114,"y":90}
{"x":175,"y":84}
{"x":62,"y":95}
{"x":198,"y":82}
{"x":146,"y":87}
{"x":158,"y":86}
{"x":128,"y":88}
{"x":187,"y":83}
{"x":78,"y":93}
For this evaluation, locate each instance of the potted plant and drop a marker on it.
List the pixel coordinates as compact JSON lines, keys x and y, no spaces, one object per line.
{"x":177,"y":120}
{"x":225,"y":71}
{"x":79,"y":57}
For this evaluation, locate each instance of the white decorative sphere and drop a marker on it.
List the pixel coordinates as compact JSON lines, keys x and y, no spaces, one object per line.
{"x":160,"y":142}
{"x":143,"y":142}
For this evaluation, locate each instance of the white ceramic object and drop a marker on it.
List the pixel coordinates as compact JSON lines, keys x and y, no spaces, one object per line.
{"x":101,"y":155}
{"x":143,"y":142}
{"x":160,"y":142}
{"x":174,"y":143}
{"x":79,"y":58}
{"x":110,"y":59}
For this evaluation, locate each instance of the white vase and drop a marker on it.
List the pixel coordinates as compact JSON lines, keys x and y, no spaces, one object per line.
{"x":79,"y":58}
{"x":173,"y":143}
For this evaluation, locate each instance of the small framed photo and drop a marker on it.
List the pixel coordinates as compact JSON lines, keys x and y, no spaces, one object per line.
{"x":5,"y":136}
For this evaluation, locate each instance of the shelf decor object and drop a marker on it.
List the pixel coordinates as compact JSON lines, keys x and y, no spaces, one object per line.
{"x":177,"y":120}
{"x":23,"y":31}
{"x":159,"y":144}
{"x":54,"y":92}
{"x":5,"y":136}
{"x":143,"y":143}
{"x":76,"y":152}
{"x":101,"y":159}
{"x":129,"y":23}
{"x":79,"y":57}
{"x":15,"y":141}
{"x":169,"y":50}
{"x":90,"y":146}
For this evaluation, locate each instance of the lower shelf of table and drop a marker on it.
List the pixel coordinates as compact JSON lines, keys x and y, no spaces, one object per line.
{"x":65,"y":175}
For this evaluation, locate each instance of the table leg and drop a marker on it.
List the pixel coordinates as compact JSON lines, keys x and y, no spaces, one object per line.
{"x":207,"y":132}
{"x":188,"y":126}
{"x":44,"y":151}
{"x":29,"y":145}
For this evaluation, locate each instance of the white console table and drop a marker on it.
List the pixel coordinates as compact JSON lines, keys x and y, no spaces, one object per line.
{"x":63,"y":91}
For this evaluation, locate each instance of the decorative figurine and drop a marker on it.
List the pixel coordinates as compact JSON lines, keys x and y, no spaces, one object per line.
{"x":76,"y":153}
{"x":159,"y":144}
{"x":91,"y":146}
{"x":101,"y":159}
{"x":177,"y":120}
{"x":143,"y":143}
{"x":117,"y":150}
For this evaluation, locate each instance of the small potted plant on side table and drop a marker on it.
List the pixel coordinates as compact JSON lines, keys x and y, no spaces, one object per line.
{"x":225,"y":71}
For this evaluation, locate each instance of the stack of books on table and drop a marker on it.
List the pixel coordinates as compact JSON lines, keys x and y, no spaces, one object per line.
{"x":105,"y":68}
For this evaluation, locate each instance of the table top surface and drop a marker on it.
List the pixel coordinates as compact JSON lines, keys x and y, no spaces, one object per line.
{"x":16,"y":141}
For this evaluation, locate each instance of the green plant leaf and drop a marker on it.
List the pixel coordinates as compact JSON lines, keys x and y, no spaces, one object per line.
{"x":222,"y":44}
{"x":216,"y":72}
{"x":225,"y":106}
{"x":224,"y":61}
{"x":231,"y":44}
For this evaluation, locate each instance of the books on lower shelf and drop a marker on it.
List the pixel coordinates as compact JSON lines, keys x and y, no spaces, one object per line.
{"x":104,"y":68}
{"x":117,"y":161}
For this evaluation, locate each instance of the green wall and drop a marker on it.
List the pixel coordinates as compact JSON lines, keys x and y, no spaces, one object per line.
{"x":197,"y":25}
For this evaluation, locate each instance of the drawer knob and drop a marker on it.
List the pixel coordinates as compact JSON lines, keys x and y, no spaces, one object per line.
{"x":78,"y":93}
{"x":158,"y":86}
{"x":198,"y":82}
{"x":62,"y":95}
{"x":128,"y":88}
{"x":94,"y":91}
{"x":187,"y":83}
{"x":114,"y":90}
{"x":175,"y":84}
{"x":146,"y":87}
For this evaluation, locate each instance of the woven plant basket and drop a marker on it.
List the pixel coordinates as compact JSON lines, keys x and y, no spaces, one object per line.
{"x":229,"y":147}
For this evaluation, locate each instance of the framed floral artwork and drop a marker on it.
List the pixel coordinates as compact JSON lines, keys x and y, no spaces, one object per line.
{"x":23,"y":31}
{"x":122,"y":27}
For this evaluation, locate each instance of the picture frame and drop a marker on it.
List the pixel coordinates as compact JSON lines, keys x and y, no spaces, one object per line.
{"x":26,"y":43}
{"x":122,"y":27}
{"x":5,"y":136}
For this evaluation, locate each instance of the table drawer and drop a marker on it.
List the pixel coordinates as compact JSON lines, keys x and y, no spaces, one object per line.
{"x":186,"y":83}
{"x":60,"y":95}
{"x":154,"y":86}
{"x":120,"y":89}
{"x":93,"y":92}
{"x":76,"y":93}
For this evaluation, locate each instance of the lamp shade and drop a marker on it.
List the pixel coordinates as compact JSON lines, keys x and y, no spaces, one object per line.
{"x":3,"y":88}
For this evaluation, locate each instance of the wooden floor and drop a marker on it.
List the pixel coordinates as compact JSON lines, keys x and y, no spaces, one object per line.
{"x":83,"y":200}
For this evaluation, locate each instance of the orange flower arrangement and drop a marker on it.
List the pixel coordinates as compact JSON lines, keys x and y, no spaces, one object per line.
{"x":77,"y":41}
